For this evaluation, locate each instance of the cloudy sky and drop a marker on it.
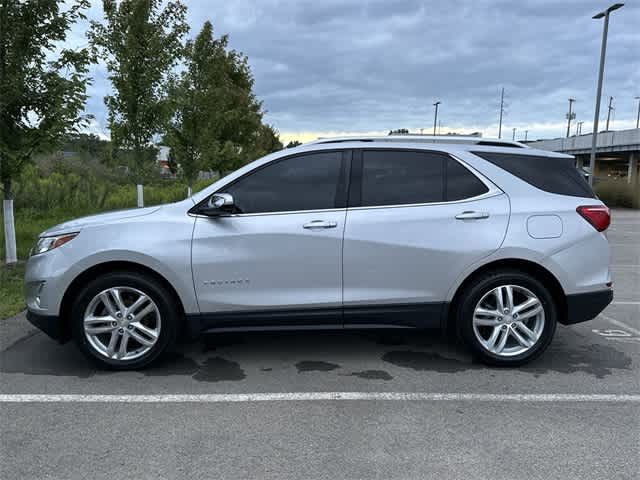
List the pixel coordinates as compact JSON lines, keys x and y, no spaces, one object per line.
{"x":329,"y":67}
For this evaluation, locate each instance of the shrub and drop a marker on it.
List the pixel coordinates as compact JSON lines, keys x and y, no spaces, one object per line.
{"x":618,"y":193}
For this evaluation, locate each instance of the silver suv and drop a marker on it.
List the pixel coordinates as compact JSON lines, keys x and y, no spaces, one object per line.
{"x":491,"y":240}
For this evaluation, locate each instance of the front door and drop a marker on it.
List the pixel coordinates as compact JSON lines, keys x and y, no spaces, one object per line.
{"x":278,"y":258}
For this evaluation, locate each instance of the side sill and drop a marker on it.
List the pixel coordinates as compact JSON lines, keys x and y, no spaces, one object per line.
{"x":414,"y":315}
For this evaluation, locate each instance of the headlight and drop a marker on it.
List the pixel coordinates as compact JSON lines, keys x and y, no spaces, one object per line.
{"x":44,"y":244}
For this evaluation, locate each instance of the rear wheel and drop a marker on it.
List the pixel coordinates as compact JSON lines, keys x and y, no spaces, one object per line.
{"x":507,"y":318}
{"x":124,"y":320}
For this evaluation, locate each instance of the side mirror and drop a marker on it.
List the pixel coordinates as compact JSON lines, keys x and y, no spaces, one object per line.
{"x":219,"y":204}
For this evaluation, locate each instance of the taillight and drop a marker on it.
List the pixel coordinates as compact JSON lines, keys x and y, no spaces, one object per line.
{"x":597,"y":215}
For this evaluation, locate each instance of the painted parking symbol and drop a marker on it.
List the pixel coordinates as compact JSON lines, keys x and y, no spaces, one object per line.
{"x":612,"y":333}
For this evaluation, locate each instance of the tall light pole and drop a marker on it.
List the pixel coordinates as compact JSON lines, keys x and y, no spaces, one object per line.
{"x":579,"y":128}
{"x":638,"y":119}
{"x":501,"y":112}
{"x":570,"y":115}
{"x":526,"y":133}
{"x":435,"y":118}
{"x":513,"y":137}
{"x":609,"y":108}
{"x":603,"y":52}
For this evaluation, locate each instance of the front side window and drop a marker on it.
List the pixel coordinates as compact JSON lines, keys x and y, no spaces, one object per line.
{"x":395,"y":177}
{"x":304,"y":182}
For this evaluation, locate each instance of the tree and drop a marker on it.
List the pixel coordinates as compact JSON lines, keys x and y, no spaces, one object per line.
{"x":217,"y":121}
{"x":141,"y":43}
{"x":399,"y":131}
{"x":42,"y":88}
{"x":293,"y":143}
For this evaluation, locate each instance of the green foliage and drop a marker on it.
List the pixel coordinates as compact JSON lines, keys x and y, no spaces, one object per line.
{"x":141,"y":43}
{"x":217,"y":123}
{"x":42,"y":88}
{"x":618,"y":193}
{"x":293,"y":143}
{"x":11,"y":296}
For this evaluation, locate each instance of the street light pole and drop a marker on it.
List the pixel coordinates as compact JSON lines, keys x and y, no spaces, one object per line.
{"x":570,"y":115}
{"x":435,"y":118}
{"x":603,"y":51}
{"x":638,"y":119}
{"x":513,"y":137}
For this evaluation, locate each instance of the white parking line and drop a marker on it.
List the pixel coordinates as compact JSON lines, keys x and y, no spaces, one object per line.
{"x":624,"y":302}
{"x":320,"y":396}
{"x":620,"y":324}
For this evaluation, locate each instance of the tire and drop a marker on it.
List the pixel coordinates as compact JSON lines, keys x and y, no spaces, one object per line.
{"x":477,"y":327}
{"x":153,"y":324}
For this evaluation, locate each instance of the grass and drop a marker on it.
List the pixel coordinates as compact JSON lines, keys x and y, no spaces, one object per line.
{"x":11,"y":297}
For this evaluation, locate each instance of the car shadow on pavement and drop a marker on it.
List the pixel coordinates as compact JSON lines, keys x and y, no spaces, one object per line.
{"x":226,"y":357}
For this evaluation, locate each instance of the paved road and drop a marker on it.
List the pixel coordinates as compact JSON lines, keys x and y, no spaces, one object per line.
{"x":472,"y":437}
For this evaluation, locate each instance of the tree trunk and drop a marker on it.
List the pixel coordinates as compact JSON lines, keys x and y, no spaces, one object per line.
{"x":140,"y":195}
{"x":189,"y":191}
{"x":9,"y":225}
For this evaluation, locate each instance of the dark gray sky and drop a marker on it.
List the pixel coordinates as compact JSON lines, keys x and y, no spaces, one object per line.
{"x":345,"y":67}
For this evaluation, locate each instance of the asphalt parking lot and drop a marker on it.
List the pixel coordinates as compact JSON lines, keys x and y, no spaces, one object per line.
{"x":418,"y":406}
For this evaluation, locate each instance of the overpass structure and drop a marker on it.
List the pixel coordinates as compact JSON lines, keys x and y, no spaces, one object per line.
{"x":617,"y":153}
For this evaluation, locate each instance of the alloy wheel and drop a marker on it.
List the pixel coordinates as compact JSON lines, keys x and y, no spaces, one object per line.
{"x":508,"y":320}
{"x":122,"y":323}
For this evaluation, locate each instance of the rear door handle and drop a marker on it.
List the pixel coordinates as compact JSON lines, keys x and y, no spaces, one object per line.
{"x":320,"y":224}
{"x":471,"y":215}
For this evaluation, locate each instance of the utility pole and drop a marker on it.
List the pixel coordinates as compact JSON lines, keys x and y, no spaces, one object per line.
{"x":638,"y":118}
{"x":579,"y":128}
{"x":526,"y":133}
{"x":435,"y":118}
{"x":603,"y":52}
{"x":570,"y":115}
{"x":513,"y":137}
{"x":609,"y":113}
{"x":501,"y":112}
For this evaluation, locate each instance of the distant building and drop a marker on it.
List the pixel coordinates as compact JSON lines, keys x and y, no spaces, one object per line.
{"x":162,"y":160}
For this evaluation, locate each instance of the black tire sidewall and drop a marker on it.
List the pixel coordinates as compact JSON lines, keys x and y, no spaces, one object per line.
{"x":486,"y":283}
{"x":150,"y":287}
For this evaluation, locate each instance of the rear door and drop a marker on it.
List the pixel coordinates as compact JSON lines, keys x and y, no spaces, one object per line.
{"x":416,"y":220}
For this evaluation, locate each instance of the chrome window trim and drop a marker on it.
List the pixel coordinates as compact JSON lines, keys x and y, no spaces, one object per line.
{"x":493,"y":190}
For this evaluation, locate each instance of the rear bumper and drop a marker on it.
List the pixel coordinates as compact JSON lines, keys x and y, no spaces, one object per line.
{"x":582,"y":307}
{"x":49,"y":324}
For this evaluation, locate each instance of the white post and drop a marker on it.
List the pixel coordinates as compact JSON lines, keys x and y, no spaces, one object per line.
{"x":140,"y":196}
{"x":189,"y":192}
{"x":9,"y":232}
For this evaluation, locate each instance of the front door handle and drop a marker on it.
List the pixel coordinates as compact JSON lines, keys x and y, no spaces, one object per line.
{"x":471,"y":215}
{"x":320,"y":224}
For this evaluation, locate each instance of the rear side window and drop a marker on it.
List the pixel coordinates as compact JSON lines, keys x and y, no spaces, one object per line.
{"x":553,"y":175}
{"x":461,"y":183}
{"x":394,"y":177}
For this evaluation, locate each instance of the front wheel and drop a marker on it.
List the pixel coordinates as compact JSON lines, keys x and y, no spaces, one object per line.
{"x":124,"y":320}
{"x":507,"y":318}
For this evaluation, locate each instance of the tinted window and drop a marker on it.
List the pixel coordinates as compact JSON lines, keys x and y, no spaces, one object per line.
{"x":396,"y":178}
{"x":305,"y":182}
{"x":461,"y":183}
{"x":554,"y":175}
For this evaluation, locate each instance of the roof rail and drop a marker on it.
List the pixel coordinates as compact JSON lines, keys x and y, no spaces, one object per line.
{"x":456,"y":139}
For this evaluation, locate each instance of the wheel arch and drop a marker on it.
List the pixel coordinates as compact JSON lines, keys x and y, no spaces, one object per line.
{"x":109,"y":267}
{"x":526,"y":266}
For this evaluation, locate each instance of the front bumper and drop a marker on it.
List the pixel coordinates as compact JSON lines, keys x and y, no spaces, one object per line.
{"x":52,"y":325}
{"x":582,"y":307}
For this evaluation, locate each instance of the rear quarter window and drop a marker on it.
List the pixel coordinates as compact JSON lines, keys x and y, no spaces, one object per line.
{"x":553,"y":175}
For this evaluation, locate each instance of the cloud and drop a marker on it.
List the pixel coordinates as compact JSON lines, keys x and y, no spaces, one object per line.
{"x":370,"y":66}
